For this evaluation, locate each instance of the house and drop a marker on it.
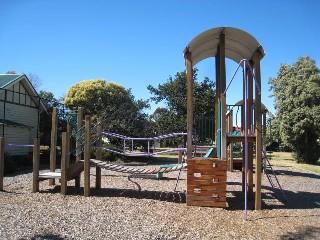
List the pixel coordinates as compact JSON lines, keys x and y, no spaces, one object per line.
{"x":20,"y":108}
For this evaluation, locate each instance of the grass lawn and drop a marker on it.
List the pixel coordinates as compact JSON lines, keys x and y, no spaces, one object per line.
{"x":285,"y":159}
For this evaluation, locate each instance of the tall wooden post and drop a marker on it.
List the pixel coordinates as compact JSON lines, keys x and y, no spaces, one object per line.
{"x":250,"y":124}
{"x":68,"y":144}
{"x":222,"y":82}
{"x":230,"y":130}
{"x":1,"y":162}
{"x":36,"y":162}
{"x":78,"y":144}
{"x":53,"y":145}
{"x":99,"y":151}
{"x":64,"y":163}
{"x":216,"y":114}
{"x":87,"y":153}
{"x":188,"y":63}
{"x":258,"y":131}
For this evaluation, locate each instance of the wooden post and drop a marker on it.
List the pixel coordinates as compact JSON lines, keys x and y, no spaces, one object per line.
{"x":99,"y":152}
{"x":1,"y":162}
{"x":216,"y":114}
{"x":258,"y":131}
{"x":64,"y":163}
{"x":230,"y":131}
{"x":53,"y":146}
{"x":36,"y":162}
{"x":68,"y":144}
{"x":189,"y":69}
{"x":250,"y":124}
{"x":78,"y":145}
{"x":87,"y":153}
{"x":222,"y":70}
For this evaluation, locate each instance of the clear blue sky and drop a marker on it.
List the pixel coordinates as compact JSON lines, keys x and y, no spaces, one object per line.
{"x":136,"y":43}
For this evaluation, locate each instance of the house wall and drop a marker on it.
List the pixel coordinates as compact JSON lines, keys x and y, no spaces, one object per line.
{"x":19,"y":108}
{"x":17,"y":135}
{"x":23,"y":115}
{"x":17,"y":94}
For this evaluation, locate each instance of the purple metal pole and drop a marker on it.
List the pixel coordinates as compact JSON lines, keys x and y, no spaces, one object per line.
{"x":245,"y":139}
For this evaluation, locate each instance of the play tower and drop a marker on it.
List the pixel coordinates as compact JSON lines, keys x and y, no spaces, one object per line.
{"x":244,"y":49}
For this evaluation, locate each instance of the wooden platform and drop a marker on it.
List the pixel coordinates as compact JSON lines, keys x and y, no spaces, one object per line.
{"x":206,"y":182}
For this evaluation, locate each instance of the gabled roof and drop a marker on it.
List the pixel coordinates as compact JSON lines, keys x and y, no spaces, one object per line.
{"x":7,"y":80}
{"x":238,"y":44}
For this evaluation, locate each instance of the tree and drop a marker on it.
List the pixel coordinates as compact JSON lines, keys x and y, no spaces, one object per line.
{"x":174,"y":94}
{"x":34,"y":79}
{"x":273,"y":140}
{"x":296,"y":90}
{"x":121,"y":112}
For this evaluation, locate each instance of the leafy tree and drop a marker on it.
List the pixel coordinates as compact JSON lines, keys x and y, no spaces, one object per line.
{"x":174,"y":94}
{"x":297,"y":100}
{"x":121,"y":112}
{"x":273,"y":140}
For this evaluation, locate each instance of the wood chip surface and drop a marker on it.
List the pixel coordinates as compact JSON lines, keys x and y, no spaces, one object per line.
{"x":143,"y":207}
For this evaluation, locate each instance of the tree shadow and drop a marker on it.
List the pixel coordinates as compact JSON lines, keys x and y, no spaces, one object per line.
{"x":166,"y":196}
{"x":297,"y":174}
{"x":272,"y":198}
{"x":295,"y":200}
{"x":45,"y":237}
{"x":306,"y":232}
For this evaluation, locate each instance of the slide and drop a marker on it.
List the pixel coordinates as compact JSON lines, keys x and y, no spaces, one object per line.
{"x":209,"y":153}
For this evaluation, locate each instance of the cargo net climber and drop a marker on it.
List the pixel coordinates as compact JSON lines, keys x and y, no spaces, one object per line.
{"x":89,"y":137}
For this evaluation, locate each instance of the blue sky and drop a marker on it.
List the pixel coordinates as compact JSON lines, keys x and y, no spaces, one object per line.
{"x":137,"y":43}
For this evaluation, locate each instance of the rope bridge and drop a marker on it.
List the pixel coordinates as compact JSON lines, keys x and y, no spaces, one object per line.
{"x":132,"y":170}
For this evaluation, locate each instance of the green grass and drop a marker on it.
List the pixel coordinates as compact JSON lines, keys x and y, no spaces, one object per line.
{"x":285,"y":159}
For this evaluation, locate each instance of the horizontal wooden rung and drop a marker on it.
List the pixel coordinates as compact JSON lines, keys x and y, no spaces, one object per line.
{"x":49,"y":175}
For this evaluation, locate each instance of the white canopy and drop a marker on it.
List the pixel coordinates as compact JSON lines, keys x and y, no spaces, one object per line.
{"x":238,"y":44}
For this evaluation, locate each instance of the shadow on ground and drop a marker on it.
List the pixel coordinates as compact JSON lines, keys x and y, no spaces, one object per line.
{"x":303,"y":233}
{"x":273,"y":198}
{"x":47,"y":237}
{"x":167,"y":196}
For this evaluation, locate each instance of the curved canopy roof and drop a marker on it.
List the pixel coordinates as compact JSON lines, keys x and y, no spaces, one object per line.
{"x":238,"y":44}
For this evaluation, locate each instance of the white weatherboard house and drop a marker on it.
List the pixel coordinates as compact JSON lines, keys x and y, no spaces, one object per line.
{"x":20,"y":108}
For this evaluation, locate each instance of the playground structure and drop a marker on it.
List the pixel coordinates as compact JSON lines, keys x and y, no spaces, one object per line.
{"x":234,"y":148}
{"x":87,"y":138}
{"x":206,"y":176}
{"x":244,"y":49}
